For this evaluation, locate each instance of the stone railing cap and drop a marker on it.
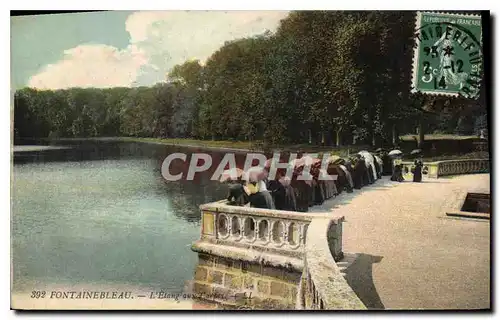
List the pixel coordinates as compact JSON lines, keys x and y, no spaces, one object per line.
{"x":461,"y":160}
{"x":445,"y":161}
{"x":325,"y":274}
{"x":223,"y":207}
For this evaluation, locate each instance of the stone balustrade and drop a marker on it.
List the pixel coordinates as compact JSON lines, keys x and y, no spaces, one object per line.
{"x":272,"y":256}
{"x":270,"y":231}
{"x":450,"y":167}
{"x":467,"y":166}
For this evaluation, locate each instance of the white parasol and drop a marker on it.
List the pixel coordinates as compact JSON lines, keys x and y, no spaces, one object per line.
{"x":395,"y":153}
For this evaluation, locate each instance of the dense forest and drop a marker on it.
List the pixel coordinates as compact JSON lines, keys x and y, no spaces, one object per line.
{"x":323,"y":77}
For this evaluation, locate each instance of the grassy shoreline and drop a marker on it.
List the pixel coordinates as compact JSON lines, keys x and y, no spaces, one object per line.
{"x":436,"y":136}
{"x":237,"y":146}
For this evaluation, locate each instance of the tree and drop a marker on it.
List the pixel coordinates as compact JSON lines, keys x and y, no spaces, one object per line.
{"x":322,"y":73}
{"x":189,"y":73}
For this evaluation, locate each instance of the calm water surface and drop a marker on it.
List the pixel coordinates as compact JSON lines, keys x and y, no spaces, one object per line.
{"x":102,"y":214}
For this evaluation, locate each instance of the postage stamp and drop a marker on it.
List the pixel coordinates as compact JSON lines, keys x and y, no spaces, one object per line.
{"x":448,"y":54}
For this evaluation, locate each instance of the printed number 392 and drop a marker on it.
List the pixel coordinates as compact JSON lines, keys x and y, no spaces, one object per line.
{"x":37,"y":294}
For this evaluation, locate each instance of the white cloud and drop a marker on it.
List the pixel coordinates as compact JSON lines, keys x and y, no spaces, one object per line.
{"x":171,"y":38}
{"x":92,"y":66}
{"x":158,"y":41}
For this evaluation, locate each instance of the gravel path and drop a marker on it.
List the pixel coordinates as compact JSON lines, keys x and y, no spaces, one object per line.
{"x":409,"y":254}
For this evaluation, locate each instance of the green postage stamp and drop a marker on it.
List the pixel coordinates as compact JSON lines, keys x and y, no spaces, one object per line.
{"x":448,"y":56}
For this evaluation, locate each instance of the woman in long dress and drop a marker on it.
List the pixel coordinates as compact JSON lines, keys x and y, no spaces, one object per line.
{"x":417,"y":171}
{"x":397,"y":174}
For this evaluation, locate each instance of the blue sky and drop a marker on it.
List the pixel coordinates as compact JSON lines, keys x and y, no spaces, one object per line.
{"x":121,"y":48}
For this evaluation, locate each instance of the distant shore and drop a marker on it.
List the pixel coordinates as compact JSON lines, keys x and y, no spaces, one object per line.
{"x":247,"y":146}
{"x":224,"y":145}
{"x":34,"y":148}
{"x":186,"y":143}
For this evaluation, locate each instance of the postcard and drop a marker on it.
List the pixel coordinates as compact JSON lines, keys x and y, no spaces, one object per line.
{"x":251,"y":160}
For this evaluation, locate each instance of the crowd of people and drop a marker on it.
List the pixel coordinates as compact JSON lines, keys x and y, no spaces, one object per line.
{"x":256,"y":188}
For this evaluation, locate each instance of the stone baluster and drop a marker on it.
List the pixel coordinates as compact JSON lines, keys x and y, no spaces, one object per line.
{"x":285,"y":233}
{"x":222,"y":226}
{"x":237,"y":228}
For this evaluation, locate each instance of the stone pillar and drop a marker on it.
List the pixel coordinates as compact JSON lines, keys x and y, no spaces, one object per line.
{"x":335,"y":240}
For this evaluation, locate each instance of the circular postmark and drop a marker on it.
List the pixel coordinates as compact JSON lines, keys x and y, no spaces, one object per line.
{"x":448,"y":55}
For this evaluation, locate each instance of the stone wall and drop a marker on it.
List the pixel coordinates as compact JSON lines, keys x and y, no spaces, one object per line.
{"x":242,"y":285}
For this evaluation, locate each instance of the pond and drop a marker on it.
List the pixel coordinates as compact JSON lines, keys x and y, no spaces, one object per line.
{"x":101,"y":214}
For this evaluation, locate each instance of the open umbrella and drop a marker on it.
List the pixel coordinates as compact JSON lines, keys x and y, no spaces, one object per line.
{"x":395,"y":153}
{"x":367,"y":155}
{"x":416,"y":152}
{"x":231,"y":174}
{"x":378,"y":150}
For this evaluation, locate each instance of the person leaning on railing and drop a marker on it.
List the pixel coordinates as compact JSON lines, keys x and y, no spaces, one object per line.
{"x":237,"y":195}
{"x":255,"y":188}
